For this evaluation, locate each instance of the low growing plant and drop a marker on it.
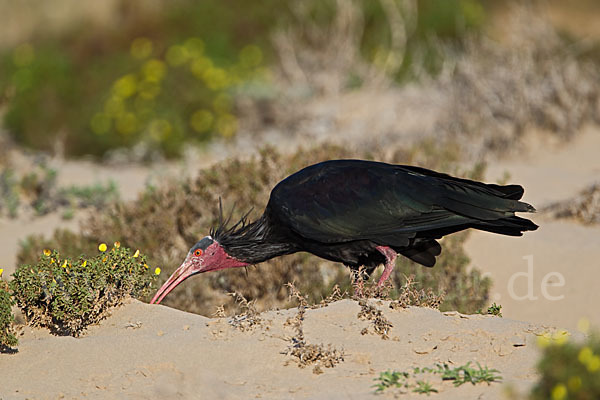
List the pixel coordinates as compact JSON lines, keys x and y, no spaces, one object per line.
{"x":494,"y":309}
{"x":7,"y":336}
{"x":568,"y":370}
{"x":68,"y":294}
{"x":415,"y":380}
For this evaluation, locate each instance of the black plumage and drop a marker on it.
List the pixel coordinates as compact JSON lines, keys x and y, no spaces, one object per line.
{"x":360,"y":213}
{"x":341,"y":210}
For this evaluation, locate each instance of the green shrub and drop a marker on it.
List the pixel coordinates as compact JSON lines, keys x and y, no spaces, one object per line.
{"x":153,"y":81}
{"x":166,"y":220}
{"x":66,"y":295}
{"x":494,"y":309}
{"x":38,"y":191}
{"x":568,"y":370}
{"x":7,"y":336}
{"x":168,"y":77}
{"x":9,"y":195}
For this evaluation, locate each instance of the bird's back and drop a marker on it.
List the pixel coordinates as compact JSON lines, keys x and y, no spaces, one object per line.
{"x":352,"y":200}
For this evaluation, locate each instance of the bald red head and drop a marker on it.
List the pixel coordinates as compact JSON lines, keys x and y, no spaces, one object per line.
{"x":206,"y":255}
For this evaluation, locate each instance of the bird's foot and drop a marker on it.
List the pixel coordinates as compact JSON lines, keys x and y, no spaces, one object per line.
{"x":390,"y":256}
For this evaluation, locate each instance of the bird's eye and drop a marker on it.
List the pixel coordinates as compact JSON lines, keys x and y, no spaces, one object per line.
{"x":198,"y":252}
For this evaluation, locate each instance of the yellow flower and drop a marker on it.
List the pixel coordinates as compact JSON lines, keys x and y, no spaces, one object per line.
{"x":157,"y":271}
{"x":560,"y":337}
{"x":84,"y":263}
{"x":102,"y":247}
{"x":146,"y":266}
{"x":559,"y":392}
{"x":117,"y":244}
{"x":136,"y":254}
{"x":47,"y":252}
{"x":544,"y":340}
{"x":583,"y":325}
{"x":65,"y":264}
{"x":594,"y":364}
{"x":1,"y":271}
{"x":585,"y":355}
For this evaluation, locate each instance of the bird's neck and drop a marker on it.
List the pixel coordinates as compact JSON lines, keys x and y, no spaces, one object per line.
{"x":255,"y":242}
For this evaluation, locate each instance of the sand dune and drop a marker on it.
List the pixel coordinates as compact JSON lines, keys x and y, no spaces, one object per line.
{"x":558,"y":249}
{"x":144,"y":351}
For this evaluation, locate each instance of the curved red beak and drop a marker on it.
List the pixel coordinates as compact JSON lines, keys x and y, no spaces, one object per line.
{"x":181,"y":274}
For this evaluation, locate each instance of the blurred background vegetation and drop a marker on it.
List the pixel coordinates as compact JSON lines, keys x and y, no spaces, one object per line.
{"x":162,"y":75}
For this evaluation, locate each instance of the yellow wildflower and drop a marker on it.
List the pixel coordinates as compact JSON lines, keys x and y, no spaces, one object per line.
{"x":583,"y":325}
{"x":559,"y":392}
{"x":84,"y":263}
{"x":117,"y":244}
{"x":157,"y":271}
{"x":47,"y":252}
{"x":594,"y":364}
{"x":136,"y":254}
{"x":544,"y":340}
{"x":585,"y":355}
{"x":102,"y":247}
{"x":146,"y":266}
{"x":65,"y":264}
{"x":1,"y":271}
{"x":560,"y":337}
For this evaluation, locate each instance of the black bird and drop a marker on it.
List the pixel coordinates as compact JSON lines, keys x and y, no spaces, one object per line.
{"x":360,"y":213}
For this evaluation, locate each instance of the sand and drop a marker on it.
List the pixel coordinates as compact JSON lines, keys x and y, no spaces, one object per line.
{"x":149,"y":351}
{"x":564,"y":252}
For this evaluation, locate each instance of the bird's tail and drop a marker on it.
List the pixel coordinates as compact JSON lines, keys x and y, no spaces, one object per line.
{"x":511,"y":226}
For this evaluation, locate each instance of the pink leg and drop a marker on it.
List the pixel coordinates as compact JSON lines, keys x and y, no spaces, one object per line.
{"x":390,"y":256}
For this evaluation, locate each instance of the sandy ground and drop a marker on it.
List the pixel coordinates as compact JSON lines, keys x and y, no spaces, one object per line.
{"x":550,"y":275}
{"x":145,"y":351}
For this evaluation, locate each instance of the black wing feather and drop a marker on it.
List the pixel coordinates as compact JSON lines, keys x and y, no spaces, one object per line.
{"x":348,"y":200}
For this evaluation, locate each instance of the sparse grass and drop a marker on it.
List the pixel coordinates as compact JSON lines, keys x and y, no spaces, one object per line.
{"x":414,"y":381}
{"x":424,"y":387}
{"x":249,"y":318}
{"x":380,"y":324}
{"x":466,"y":374}
{"x":494,"y":309}
{"x":303,"y":353}
{"x":409,"y":295}
{"x":68,"y":294}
